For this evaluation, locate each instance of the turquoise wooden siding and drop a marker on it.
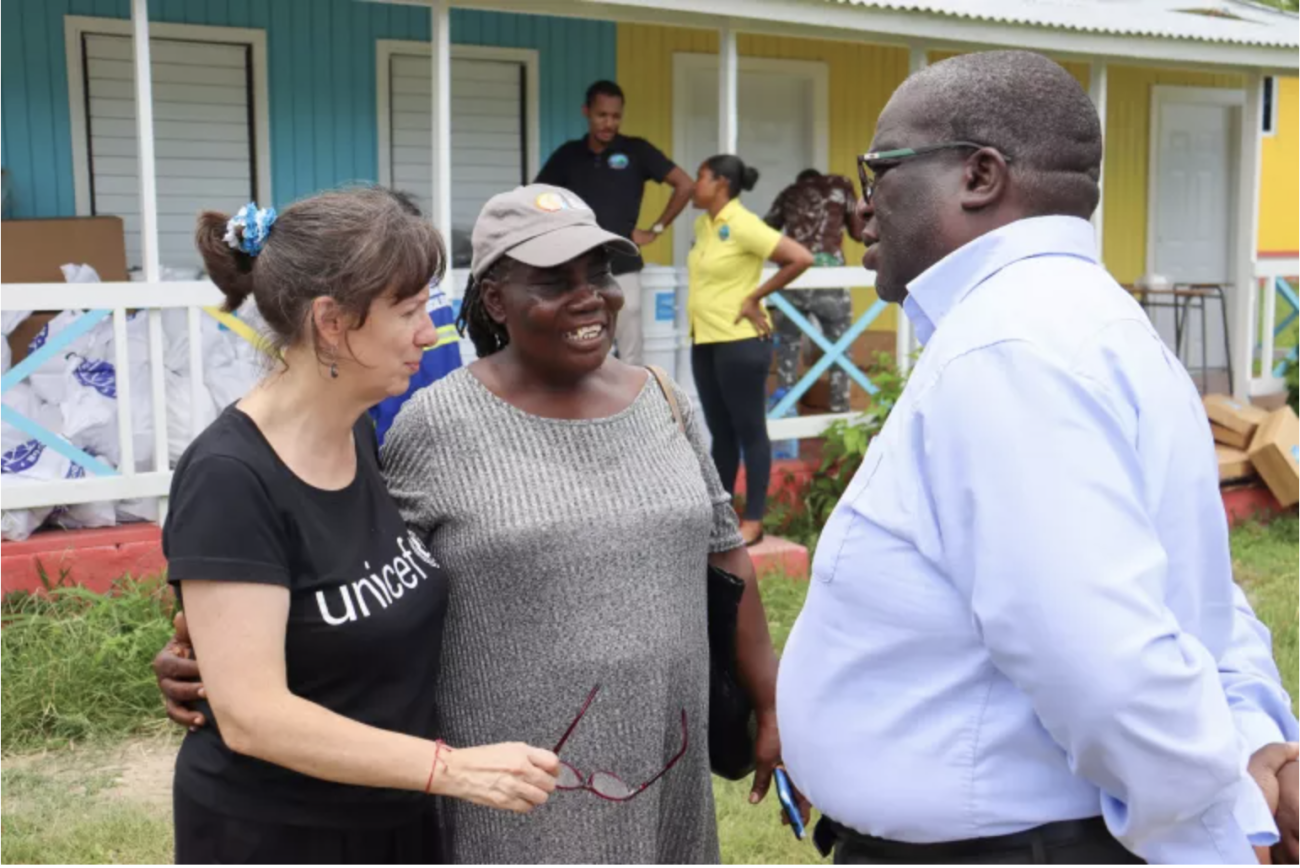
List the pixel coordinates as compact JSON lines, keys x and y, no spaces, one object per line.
{"x":321,"y":76}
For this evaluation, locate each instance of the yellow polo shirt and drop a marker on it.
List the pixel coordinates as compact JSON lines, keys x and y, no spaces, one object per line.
{"x":724,"y":267}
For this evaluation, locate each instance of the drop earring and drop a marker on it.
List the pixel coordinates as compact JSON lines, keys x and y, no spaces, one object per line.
{"x":334,"y":370}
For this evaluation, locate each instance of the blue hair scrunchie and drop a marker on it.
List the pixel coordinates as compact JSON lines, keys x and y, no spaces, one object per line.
{"x":248,"y":229}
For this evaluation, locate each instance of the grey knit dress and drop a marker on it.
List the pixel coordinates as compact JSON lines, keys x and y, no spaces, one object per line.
{"x":576,"y":551}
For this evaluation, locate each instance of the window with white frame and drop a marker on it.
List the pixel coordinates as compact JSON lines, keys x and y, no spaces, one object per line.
{"x":493,"y":127}
{"x":210,"y":144}
{"x":1268,"y":93}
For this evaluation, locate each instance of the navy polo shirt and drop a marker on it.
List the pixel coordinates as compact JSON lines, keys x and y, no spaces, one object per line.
{"x":611,"y":182}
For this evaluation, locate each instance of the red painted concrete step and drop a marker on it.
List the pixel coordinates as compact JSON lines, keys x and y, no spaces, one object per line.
{"x":778,"y":556}
{"x":93,"y":559}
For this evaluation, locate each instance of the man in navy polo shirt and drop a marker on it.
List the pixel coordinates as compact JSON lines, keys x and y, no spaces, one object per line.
{"x":608,"y":171}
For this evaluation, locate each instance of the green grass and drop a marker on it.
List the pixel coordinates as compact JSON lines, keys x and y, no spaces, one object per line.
{"x":76,"y":671}
{"x":76,"y":664}
{"x":1265,"y":561}
{"x":67,"y":808}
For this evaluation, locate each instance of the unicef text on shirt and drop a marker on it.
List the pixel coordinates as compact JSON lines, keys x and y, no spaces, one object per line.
{"x":385,"y":586}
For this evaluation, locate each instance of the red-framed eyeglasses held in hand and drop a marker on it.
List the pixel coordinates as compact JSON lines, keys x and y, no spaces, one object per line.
{"x":608,"y":785}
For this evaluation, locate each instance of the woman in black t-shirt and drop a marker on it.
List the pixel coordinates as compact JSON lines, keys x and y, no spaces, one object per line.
{"x":300,"y":582}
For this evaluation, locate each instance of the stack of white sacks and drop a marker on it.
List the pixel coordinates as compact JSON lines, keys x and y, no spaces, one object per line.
{"x":75,"y":396}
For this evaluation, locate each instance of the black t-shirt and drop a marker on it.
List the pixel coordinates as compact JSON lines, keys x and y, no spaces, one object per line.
{"x":611,"y":182}
{"x":367,"y":605}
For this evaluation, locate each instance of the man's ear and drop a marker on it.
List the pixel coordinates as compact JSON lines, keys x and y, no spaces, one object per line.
{"x":986,"y":180}
{"x":586,"y":111}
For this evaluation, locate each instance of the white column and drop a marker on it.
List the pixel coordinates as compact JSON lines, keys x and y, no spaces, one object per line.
{"x":144,"y":135}
{"x":441,"y":15}
{"x":1242,"y":312}
{"x":1097,"y":90}
{"x":904,"y":339}
{"x":727,"y":115}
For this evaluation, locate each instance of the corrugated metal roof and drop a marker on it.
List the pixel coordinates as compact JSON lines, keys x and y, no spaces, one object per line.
{"x":1226,"y":21}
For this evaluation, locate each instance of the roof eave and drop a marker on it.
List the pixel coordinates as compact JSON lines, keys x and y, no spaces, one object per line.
{"x":885,"y":25}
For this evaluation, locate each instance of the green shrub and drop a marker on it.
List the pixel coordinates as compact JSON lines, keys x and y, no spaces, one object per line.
{"x":844,"y":445}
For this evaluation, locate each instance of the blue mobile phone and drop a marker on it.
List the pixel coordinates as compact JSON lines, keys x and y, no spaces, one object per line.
{"x":785,"y":794}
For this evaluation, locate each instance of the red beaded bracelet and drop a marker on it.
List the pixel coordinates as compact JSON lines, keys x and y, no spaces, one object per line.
{"x":438,"y":747}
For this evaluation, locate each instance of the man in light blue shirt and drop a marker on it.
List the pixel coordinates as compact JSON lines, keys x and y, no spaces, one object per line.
{"x":1022,"y":642}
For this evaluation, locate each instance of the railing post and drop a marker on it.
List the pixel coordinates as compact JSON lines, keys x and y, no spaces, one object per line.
{"x":441,"y":138}
{"x":1243,"y":310}
{"x":1097,"y":90}
{"x":904,"y":340}
{"x":728,"y":122}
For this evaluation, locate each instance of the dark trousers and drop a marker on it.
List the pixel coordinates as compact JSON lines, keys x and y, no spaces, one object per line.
{"x":731,"y":379}
{"x":1077,"y":842}
{"x":206,"y":837}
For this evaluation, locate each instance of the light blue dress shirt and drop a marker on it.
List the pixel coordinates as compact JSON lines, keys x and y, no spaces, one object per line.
{"x":1022,"y":610}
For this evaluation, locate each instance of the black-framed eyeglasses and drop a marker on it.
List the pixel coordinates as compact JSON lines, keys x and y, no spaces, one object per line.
{"x":867,"y":175}
{"x":608,"y":785}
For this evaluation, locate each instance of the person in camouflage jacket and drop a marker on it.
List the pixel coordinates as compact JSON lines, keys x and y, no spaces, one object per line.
{"x":817,"y":210}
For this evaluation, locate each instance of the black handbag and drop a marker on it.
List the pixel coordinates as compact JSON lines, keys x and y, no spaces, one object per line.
{"x":732,"y":726}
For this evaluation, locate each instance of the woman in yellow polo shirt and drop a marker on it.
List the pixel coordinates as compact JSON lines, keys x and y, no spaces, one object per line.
{"x":730,"y":328}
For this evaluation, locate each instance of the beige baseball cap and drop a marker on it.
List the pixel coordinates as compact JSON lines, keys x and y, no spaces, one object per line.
{"x":539,"y":225}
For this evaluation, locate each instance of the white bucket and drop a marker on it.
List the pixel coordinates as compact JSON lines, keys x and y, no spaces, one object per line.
{"x":659,"y":317}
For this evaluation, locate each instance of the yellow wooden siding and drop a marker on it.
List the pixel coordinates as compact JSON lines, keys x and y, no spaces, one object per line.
{"x":1279,"y":193}
{"x":1128,"y":143}
{"x":860,"y":77}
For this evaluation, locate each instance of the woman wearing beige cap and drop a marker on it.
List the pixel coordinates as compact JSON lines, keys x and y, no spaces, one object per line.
{"x":575,"y":522}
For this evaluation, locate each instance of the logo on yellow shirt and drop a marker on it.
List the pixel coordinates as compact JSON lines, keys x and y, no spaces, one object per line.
{"x":724,"y":232}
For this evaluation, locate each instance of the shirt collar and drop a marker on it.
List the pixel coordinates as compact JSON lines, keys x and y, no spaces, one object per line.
{"x":609,"y":149}
{"x":942,"y":286}
{"x":728,"y":211}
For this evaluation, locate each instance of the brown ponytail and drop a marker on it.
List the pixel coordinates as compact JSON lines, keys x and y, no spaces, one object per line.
{"x":230,"y":269}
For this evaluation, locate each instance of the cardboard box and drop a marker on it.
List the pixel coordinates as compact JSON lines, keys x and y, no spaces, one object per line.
{"x":32,"y":251}
{"x":1233,"y":463}
{"x":1275,"y":453}
{"x":1233,"y":422}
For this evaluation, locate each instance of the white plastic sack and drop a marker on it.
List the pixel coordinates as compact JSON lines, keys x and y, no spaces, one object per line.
{"x":90,"y":406}
{"x":83,"y":515}
{"x":10,"y":320}
{"x":90,"y":402}
{"x":48,"y":380}
{"x":183,"y":421}
{"x":232,"y":365}
{"x":24,"y":460}
{"x":74,"y":273}
{"x":140,"y":509}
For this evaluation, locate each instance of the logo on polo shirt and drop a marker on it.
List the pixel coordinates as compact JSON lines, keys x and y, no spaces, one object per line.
{"x":725,"y":232}
{"x":618,"y":161}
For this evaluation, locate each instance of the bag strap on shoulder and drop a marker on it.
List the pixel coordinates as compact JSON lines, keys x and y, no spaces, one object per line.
{"x":661,"y":377}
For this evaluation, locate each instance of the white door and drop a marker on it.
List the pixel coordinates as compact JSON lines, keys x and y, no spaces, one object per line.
{"x":1193,"y":209}
{"x":488,"y":130}
{"x":203,"y":136}
{"x":779,"y":109}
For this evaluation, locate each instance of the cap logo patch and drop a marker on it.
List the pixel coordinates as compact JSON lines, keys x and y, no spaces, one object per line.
{"x":551,"y":202}
{"x":618,"y":161}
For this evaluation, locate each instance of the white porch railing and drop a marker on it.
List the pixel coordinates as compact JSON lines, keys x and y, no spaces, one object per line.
{"x":99,"y":300}
{"x":1279,"y":278}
